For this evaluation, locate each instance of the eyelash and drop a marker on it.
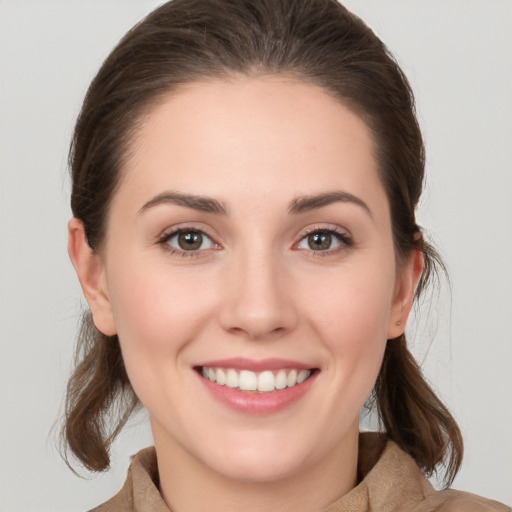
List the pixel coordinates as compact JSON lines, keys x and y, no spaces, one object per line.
{"x":163,"y":241}
{"x":344,"y":239}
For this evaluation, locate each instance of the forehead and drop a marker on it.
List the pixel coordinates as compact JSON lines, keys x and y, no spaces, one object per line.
{"x":262,"y":136}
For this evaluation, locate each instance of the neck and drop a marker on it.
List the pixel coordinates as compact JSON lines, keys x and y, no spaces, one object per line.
{"x":187,"y":484}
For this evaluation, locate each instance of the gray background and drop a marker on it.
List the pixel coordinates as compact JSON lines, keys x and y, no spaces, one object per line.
{"x":458,"y":56}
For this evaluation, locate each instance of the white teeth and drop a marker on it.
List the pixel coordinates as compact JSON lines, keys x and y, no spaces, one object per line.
{"x":291,"y":380}
{"x":303,"y":375}
{"x":246,"y":380}
{"x":232,"y":378}
{"x":281,"y":379}
{"x":266,"y":381}
{"x":220,"y":376}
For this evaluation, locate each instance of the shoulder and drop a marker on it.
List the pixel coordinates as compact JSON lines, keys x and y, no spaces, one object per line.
{"x":140,"y":491}
{"x":450,"y":500}
{"x":393,"y":481}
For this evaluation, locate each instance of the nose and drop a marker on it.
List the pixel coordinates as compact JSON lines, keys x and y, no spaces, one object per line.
{"x":258,"y":298}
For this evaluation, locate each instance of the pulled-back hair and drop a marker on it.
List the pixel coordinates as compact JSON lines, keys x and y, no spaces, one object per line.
{"x":316,"y":41}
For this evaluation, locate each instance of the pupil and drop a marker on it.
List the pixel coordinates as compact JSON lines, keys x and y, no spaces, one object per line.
{"x":190,"y":240}
{"x":319,"y":241}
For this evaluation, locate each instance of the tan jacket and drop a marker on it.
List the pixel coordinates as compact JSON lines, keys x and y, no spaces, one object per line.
{"x":390,"y":481}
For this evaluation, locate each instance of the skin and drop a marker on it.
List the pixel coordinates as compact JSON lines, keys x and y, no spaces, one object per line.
{"x":257,"y":290}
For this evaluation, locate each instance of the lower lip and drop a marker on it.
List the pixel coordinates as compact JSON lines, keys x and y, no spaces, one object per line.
{"x":258,"y":404}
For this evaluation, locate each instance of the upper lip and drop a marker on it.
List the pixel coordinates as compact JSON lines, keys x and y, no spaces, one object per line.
{"x":242,"y":363}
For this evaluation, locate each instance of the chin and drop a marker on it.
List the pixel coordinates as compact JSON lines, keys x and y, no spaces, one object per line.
{"x":261,"y":457}
{"x":259,"y":468}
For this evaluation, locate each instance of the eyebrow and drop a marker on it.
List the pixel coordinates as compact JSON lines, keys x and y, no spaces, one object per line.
{"x":298,"y":205}
{"x":200,"y":203}
{"x":313,"y":202}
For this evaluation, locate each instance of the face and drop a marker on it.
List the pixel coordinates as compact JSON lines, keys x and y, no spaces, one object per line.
{"x":250,"y":274}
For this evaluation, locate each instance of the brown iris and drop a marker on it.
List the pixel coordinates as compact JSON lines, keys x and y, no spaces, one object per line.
{"x":319,"y":241}
{"x":190,"y":240}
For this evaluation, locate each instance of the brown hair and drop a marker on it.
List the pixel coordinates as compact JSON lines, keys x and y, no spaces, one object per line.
{"x":318,"y":41}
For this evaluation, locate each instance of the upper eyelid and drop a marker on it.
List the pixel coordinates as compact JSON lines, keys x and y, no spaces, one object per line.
{"x":325,"y":227}
{"x":168,"y":233}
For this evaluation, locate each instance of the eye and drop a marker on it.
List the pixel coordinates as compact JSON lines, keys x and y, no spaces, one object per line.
{"x":324,"y":240}
{"x":188,"y":240}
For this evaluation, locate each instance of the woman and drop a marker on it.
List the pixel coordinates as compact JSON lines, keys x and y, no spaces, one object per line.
{"x":245,"y":176}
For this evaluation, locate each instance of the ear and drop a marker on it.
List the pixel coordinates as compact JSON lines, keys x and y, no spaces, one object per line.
{"x":405,"y":286}
{"x":91,"y":273}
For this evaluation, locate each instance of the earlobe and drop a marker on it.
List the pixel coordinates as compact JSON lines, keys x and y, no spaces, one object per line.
{"x":405,"y":288}
{"x":90,"y":271}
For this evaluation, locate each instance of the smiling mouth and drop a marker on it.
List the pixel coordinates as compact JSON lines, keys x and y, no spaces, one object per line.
{"x":266,"y":381}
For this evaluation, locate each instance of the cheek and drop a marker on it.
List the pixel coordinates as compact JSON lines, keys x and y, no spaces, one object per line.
{"x":355,"y":306}
{"x":158,"y":313}
{"x":352,"y":320}
{"x":153,"y":306}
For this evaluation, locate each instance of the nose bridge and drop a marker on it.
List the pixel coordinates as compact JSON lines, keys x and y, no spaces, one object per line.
{"x":257,"y":303}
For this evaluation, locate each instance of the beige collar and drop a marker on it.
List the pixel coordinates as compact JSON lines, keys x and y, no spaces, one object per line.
{"x":389,"y":481}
